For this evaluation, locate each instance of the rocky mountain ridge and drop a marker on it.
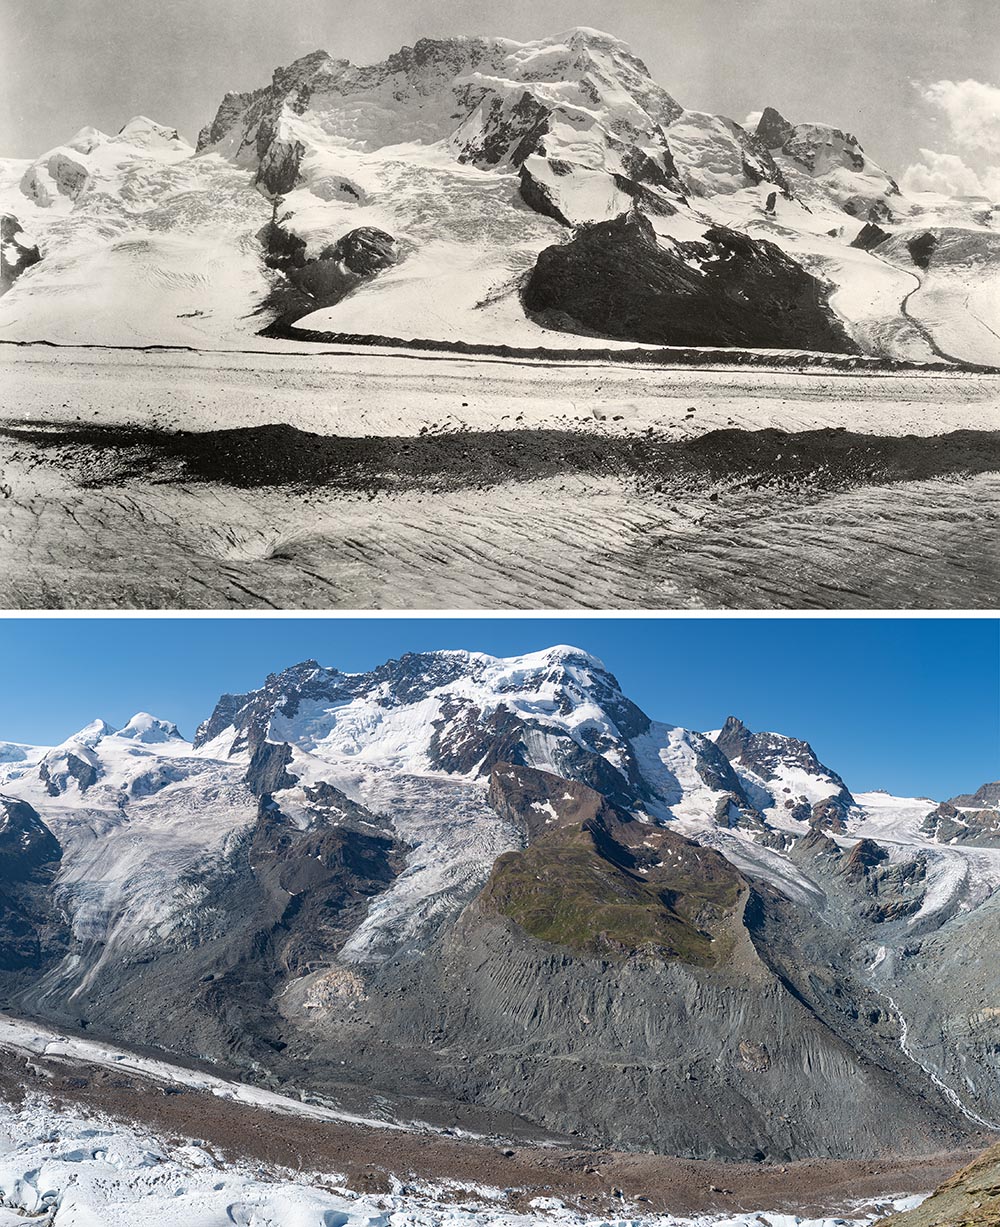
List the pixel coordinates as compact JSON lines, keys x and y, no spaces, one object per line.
{"x":431,"y":195}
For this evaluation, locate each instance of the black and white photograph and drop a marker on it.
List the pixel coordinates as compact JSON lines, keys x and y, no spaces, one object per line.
{"x":327,"y":305}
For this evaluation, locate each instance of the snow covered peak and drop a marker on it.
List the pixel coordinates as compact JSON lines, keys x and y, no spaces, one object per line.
{"x":145,"y":133}
{"x":824,"y":164}
{"x":90,"y":734}
{"x":578,"y":115}
{"x":149,"y":729}
{"x":87,"y":140}
{"x":451,"y":713}
{"x":784,"y":777}
{"x":91,"y":159}
{"x":568,"y":654}
{"x":588,"y":35}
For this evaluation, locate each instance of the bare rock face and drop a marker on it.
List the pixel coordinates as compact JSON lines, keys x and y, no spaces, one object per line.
{"x":870,"y":236}
{"x":986,"y":796}
{"x":310,"y":283}
{"x":773,"y":130}
{"x":615,"y":279}
{"x":922,"y":247}
{"x":972,"y":819}
{"x":31,"y":931}
{"x":17,"y":252}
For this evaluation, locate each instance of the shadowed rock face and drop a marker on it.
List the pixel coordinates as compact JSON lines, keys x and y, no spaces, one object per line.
{"x":74,"y":767}
{"x":31,"y":930}
{"x":17,"y":253}
{"x":615,"y":279}
{"x":773,"y":130}
{"x":922,"y":248}
{"x":309,"y":283}
{"x":870,"y":236}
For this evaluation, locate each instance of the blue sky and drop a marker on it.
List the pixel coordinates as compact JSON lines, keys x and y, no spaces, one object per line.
{"x":910,"y":705}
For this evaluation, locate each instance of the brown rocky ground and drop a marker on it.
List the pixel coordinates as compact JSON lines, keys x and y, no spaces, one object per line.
{"x":592,"y":1180}
{"x":971,"y":1198}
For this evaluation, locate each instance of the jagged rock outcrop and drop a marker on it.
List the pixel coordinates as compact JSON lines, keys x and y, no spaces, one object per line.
{"x":32,"y":931}
{"x":311,"y":282}
{"x":773,"y":130}
{"x":788,"y":774}
{"x":17,"y":252}
{"x":895,"y":890}
{"x":616,"y":279}
{"x":870,"y":236}
{"x":815,"y":157}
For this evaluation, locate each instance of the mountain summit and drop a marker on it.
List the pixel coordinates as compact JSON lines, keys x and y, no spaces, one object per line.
{"x":345,"y":868}
{"x":485,"y":191}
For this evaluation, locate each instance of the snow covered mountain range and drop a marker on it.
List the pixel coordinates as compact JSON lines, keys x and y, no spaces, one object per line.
{"x":482,"y":190}
{"x":497,"y":881}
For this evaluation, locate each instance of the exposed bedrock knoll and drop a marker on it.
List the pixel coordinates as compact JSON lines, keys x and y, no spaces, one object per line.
{"x":614,"y":980}
{"x":971,"y":1198}
{"x":615,"y":279}
{"x":311,"y":282}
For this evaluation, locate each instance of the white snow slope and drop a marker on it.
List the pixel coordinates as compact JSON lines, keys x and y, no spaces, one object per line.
{"x":144,"y":241}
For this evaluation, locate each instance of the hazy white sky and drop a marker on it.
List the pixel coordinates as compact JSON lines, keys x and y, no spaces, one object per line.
{"x":871,"y":66}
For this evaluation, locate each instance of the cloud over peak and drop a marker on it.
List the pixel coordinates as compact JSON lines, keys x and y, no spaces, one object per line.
{"x":971,"y":110}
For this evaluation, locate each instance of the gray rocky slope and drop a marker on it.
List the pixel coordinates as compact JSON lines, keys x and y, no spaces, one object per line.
{"x":457,"y":884}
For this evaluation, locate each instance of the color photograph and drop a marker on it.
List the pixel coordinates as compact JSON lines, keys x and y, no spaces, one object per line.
{"x":446,"y":922}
